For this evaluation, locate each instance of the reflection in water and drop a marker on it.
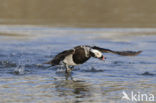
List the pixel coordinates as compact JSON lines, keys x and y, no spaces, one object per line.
{"x":147,"y":74}
{"x":69,"y":76}
{"x":70,"y":89}
{"x":62,"y":73}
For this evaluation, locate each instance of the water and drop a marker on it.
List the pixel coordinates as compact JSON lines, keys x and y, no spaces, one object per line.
{"x":24,"y":80}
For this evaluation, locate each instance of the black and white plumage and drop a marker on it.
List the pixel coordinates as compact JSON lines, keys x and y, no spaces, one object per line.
{"x":80,"y":54}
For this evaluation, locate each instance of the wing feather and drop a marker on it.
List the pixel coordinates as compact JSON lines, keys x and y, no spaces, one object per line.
{"x":122,"y":53}
{"x":59,"y":57}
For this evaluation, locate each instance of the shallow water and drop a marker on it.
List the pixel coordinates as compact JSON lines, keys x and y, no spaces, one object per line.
{"x":24,"y":80}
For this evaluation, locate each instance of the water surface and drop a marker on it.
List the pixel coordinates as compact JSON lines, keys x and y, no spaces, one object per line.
{"x":24,"y":80}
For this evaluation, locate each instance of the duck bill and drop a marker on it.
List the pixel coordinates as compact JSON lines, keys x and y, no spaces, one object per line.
{"x":102,"y":58}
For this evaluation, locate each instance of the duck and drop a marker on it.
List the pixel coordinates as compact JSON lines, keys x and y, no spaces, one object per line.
{"x":82,"y":53}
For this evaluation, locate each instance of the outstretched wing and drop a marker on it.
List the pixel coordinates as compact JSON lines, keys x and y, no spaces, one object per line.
{"x":123,"y":53}
{"x":59,"y":57}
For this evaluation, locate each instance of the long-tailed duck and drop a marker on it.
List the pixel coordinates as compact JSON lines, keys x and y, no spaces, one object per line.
{"x":80,"y":54}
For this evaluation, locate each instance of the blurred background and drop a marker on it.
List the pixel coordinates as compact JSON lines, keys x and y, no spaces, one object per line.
{"x":80,"y":13}
{"x":34,"y":31}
